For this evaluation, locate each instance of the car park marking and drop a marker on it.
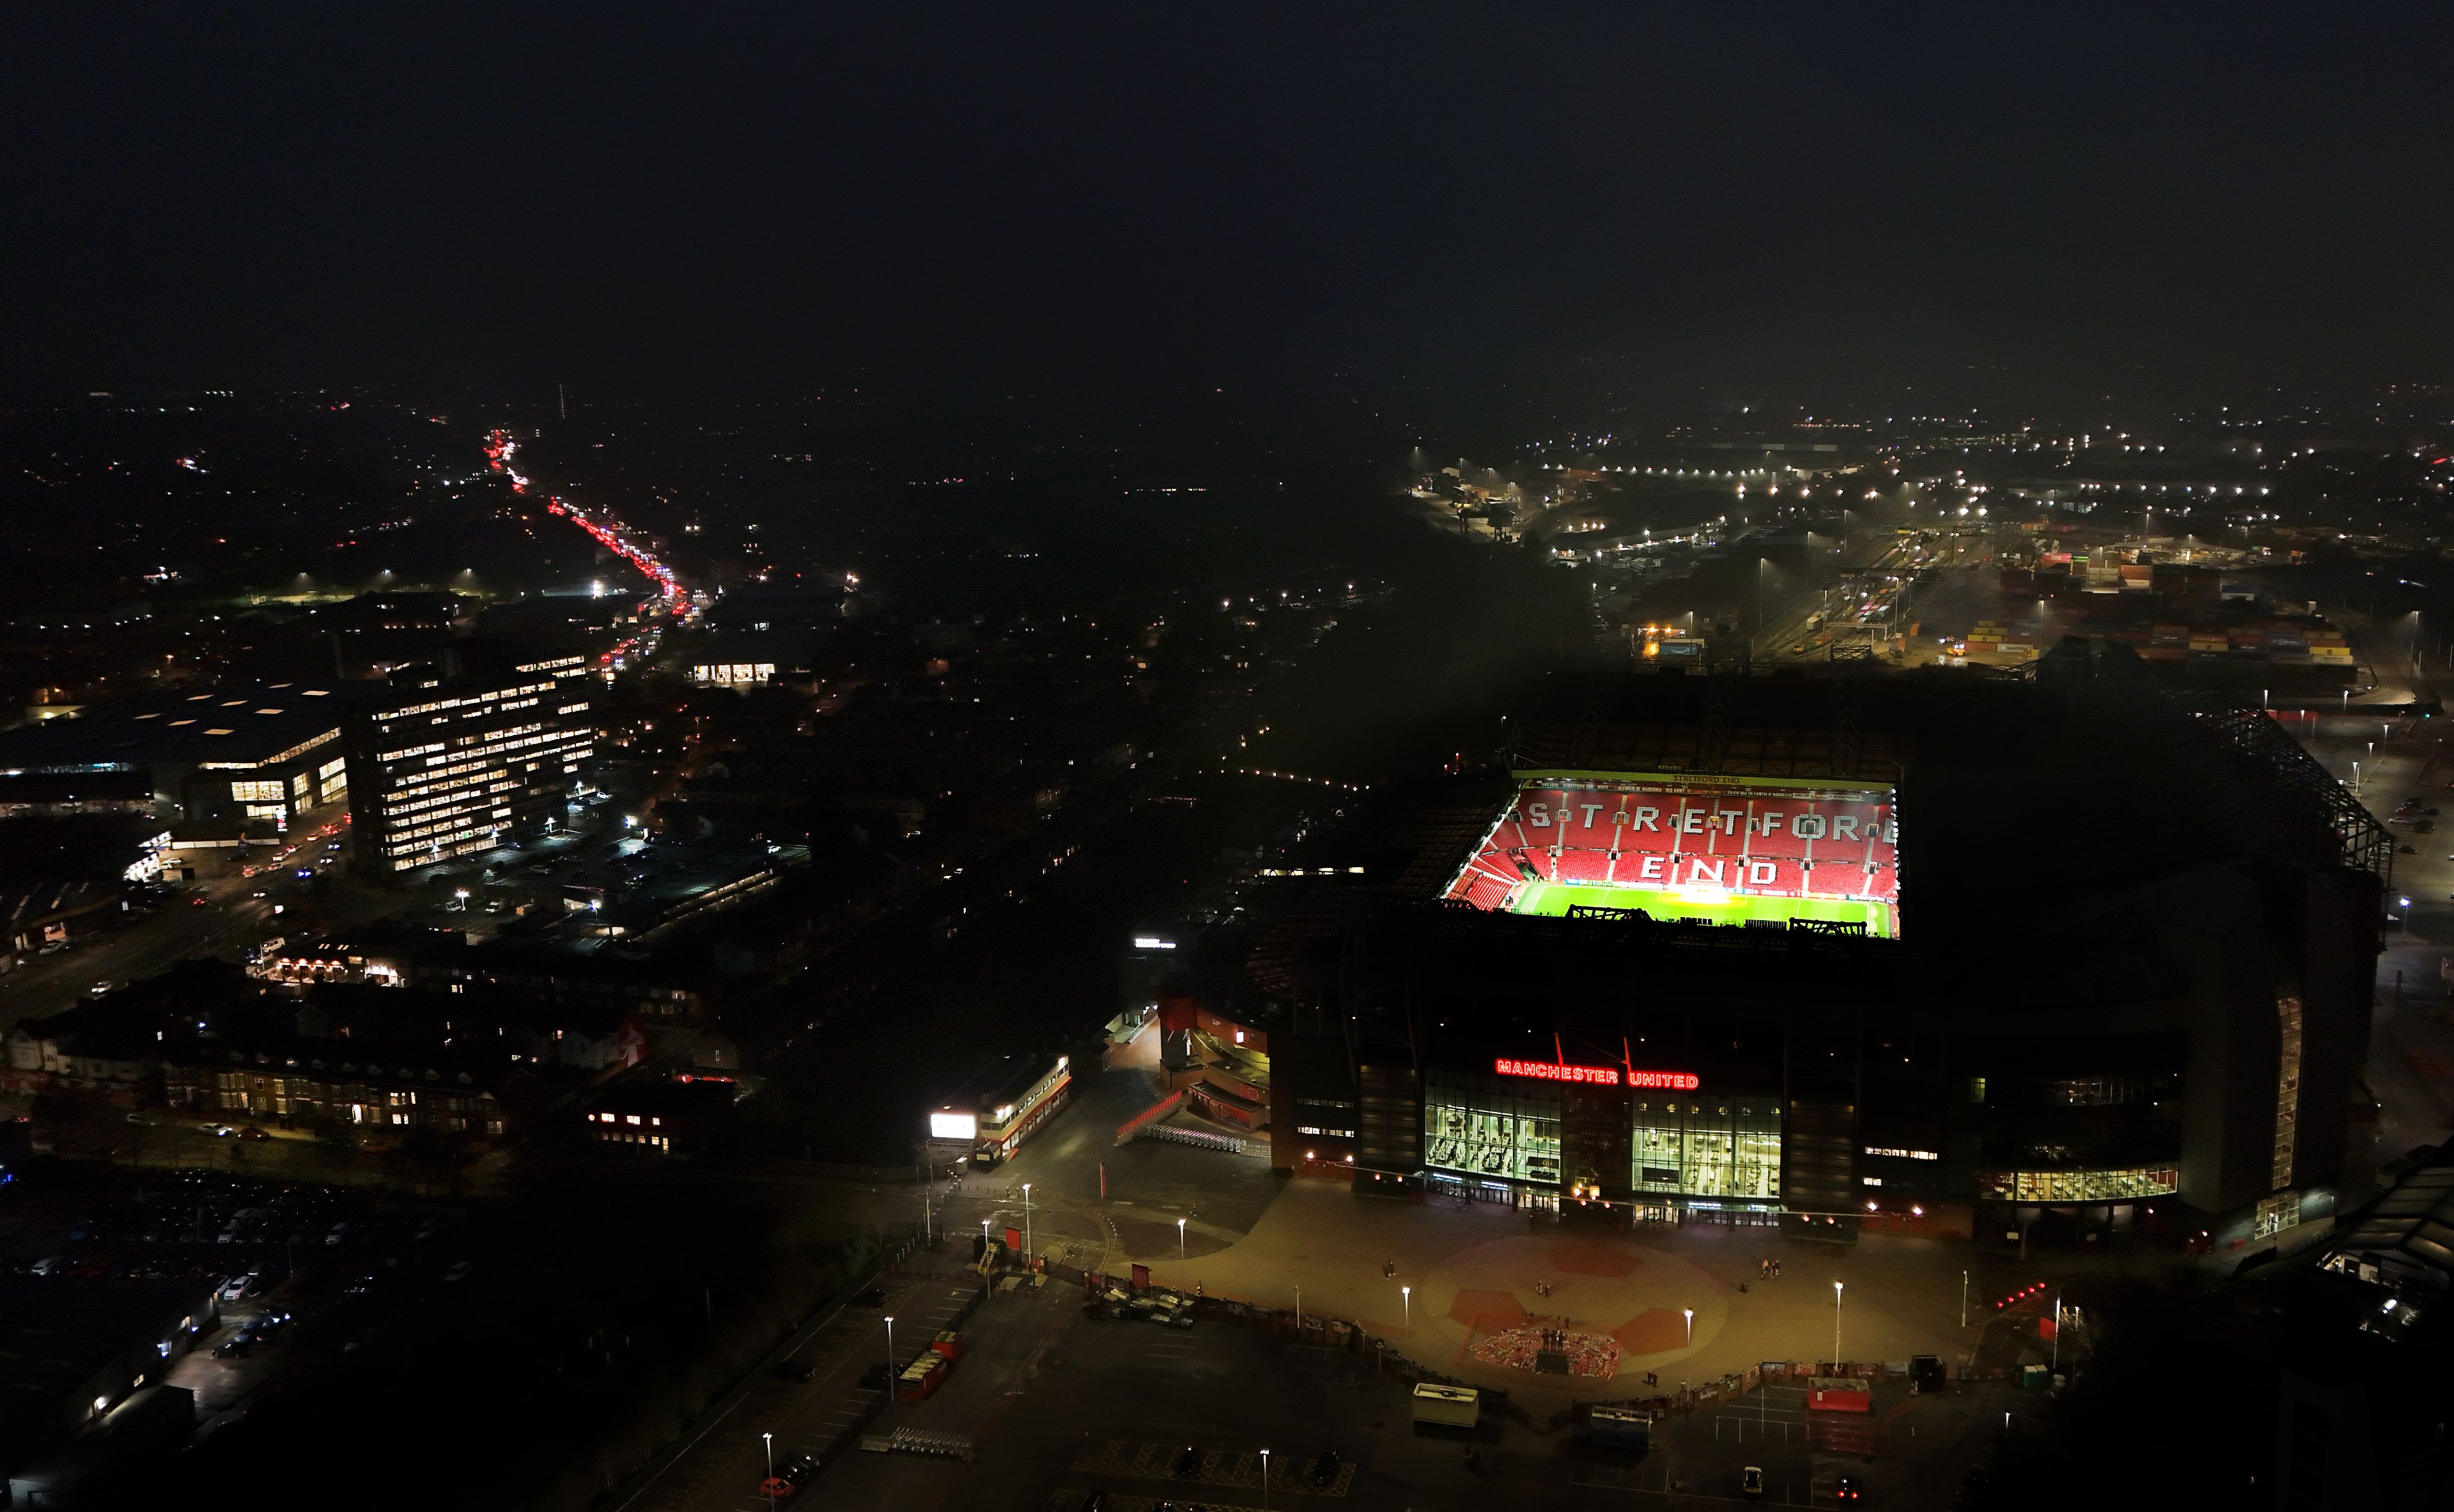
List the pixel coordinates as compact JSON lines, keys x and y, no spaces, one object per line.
{"x":1157,"y":1462}
{"x":1069,"y":1499}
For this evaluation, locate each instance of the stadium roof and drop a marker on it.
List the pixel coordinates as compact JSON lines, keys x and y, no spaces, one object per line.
{"x":2414,"y":1221}
{"x":2097,"y":811}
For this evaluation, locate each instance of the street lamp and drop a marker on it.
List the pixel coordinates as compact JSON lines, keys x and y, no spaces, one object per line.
{"x":1026,"y":1223}
{"x":769,"y":1440}
{"x":1265,"y":1480}
{"x":1179,"y":1239}
{"x":1691,"y":1325}
{"x":1406,"y":1301}
{"x":1835,"y":1325}
{"x":1300,"y":1312}
{"x":890,"y":1354}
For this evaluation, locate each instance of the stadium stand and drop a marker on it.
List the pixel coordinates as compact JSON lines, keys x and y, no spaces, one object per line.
{"x":1766,"y":841}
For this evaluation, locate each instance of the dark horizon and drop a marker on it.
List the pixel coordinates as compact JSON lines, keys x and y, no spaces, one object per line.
{"x":1782,"y":205}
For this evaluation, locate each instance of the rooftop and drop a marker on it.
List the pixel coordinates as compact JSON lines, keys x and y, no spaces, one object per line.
{"x":236,"y":725}
{"x":58,"y":1332}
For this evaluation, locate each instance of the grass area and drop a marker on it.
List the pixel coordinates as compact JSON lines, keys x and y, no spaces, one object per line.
{"x":1719,"y":908}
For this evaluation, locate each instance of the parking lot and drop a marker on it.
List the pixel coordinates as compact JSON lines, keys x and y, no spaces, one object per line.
{"x":301,"y":1273}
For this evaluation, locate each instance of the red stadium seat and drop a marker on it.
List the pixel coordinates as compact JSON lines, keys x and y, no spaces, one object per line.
{"x":1644,"y":836}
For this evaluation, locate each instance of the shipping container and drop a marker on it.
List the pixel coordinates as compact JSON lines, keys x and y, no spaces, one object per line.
{"x":1620,"y":1429}
{"x":1447,"y":1406}
{"x":1838,"y":1394}
{"x":921,"y":1379}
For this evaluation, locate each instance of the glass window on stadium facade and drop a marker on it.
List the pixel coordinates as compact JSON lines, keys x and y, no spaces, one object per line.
{"x":1494,"y":1131}
{"x":1707,"y":1146}
{"x":2077,"y":1186}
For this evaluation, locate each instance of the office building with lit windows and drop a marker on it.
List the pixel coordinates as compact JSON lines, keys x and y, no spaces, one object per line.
{"x":257,"y":757}
{"x":477,"y":749}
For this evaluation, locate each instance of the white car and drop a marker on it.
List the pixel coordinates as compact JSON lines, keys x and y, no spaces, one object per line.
{"x":340,"y":1232}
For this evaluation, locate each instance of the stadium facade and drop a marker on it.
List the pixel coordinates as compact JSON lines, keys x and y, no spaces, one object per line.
{"x":2072,"y":952}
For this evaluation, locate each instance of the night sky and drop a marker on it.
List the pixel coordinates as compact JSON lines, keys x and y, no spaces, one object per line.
{"x":697,"y":200}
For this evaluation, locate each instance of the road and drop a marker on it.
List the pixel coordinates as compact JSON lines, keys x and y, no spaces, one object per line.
{"x":231,"y":920}
{"x":1883,"y":564}
{"x":2412,"y":1053}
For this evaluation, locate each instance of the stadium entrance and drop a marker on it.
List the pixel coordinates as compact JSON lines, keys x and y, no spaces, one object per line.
{"x":1524,"y":1198}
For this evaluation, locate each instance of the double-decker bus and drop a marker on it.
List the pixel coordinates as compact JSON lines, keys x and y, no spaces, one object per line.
{"x":999,"y":1108}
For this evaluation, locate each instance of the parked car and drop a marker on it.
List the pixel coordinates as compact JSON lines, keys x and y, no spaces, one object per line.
{"x":1188,"y":1463}
{"x":1324,"y":1467}
{"x":1751,"y":1483}
{"x":337,"y":1233}
{"x":459,"y":1272}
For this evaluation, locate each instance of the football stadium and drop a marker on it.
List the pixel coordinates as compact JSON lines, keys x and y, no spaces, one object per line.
{"x":1671,"y":955}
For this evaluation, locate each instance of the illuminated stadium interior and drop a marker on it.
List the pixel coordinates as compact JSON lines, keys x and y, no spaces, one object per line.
{"x":1752,"y":851}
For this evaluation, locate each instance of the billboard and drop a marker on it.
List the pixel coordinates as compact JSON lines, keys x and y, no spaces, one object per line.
{"x":963,"y":1126}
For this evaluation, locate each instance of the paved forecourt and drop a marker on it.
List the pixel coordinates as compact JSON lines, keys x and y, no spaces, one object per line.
{"x":1467,"y":1277}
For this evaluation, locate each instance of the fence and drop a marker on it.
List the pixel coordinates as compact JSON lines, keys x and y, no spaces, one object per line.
{"x":1198,"y":1139}
{"x":1149,"y":1115}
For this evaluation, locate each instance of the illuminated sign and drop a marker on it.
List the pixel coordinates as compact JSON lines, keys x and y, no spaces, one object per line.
{"x":1595,"y":1075}
{"x":953,"y":1126}
{"x":1547,"y":1071}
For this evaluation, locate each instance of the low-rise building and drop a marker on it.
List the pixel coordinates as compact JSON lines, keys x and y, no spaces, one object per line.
{"x":682,"y":1117}
{"x":74,"y":1347}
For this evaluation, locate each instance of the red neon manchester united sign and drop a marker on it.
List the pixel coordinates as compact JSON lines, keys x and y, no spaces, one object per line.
{"x":1595,"y":1075}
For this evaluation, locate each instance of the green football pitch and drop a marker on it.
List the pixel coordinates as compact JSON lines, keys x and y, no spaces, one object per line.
{"x":1558,"y":898}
